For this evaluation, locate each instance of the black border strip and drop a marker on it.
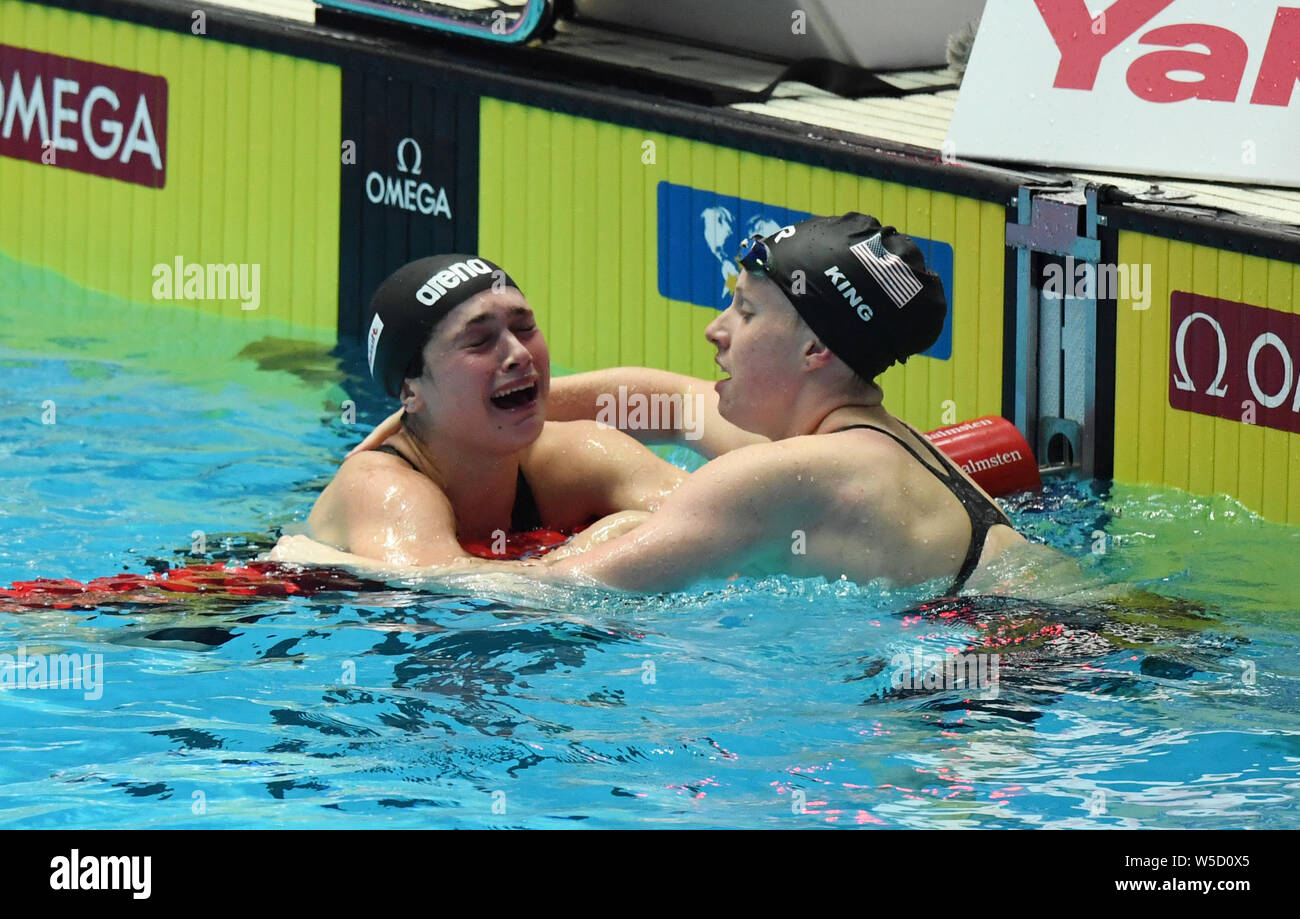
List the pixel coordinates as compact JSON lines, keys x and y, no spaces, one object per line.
{"x":1231,"y":232}
{"x":1103,"y":420}
{"x":1010,"y":277}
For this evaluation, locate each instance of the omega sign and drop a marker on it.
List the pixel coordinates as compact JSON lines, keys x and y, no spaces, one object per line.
{"x":1233,"y":360}
{"x":72,"y":114}
{"x":407,"y":191}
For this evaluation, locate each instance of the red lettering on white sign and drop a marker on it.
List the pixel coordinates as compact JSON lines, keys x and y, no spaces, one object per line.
{"x":1084,"y":46}
{"x":1281,"y":70}
{"x":1224,"y":67}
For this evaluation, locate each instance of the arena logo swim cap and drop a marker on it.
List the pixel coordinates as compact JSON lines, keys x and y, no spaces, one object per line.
{"x":411,"y":302}
{"x":449,"y":278}
{"x":863,"y":288}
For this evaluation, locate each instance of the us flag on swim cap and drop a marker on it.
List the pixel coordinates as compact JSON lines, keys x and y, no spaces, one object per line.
{"x":890,"y":272}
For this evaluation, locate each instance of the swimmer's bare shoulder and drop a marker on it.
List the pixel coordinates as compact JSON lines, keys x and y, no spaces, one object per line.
{"x":581,"y":469}
{"x":377,"y":506}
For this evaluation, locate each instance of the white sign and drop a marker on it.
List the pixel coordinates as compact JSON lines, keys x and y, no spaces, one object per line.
{"x":1197,"y":88}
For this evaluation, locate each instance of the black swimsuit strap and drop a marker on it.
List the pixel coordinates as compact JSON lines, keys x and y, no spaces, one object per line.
{"x":384,"y":448}
{"x":983,"y":514}
{"x":524,"y":516}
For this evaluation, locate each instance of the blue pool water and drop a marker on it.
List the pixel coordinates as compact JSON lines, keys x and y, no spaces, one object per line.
{"x":750,"y":704}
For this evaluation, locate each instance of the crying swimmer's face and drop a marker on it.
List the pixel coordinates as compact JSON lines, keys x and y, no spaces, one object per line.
{"x":760,"y":345}
{"x":487,"y":373}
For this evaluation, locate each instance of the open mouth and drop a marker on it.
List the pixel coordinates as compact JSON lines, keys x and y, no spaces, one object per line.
{"x":518,"y":397}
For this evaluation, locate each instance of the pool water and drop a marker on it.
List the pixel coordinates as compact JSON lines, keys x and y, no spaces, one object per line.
{"x":743,"y":704}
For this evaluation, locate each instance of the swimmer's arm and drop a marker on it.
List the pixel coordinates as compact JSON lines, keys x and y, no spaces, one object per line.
{"x":595,"y":396}
{"x":579,"y":397}
{"x":731,"y":512}
{"x":303,"y":550}
{"x":607,"y":468}
{"x":602,"y":531}
{"x":726,"y":514}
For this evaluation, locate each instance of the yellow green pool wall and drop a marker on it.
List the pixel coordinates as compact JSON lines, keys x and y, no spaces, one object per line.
{"x":252,"y":173}
{"x":1156,"y":444}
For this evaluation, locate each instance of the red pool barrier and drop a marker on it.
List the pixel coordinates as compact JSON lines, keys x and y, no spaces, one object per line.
{"x":992,"y":452}
{"x":256,"y":579}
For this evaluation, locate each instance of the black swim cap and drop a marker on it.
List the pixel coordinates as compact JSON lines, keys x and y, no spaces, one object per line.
{"x":411,"y":302}
{"x":862,"y":288}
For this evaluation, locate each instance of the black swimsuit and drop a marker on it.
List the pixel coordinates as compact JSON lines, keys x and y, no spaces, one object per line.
{"x":984,"y":514}
{"x":523,"y":517}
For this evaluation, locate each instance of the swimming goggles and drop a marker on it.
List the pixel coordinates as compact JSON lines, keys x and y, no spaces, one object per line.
{"x":754,"y":255}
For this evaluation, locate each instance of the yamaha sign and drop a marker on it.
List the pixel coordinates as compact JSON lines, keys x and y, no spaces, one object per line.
{"x":1196,"y":88}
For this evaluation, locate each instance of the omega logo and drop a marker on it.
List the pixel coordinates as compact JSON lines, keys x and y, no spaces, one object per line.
{"x":1253,"y":354}
{"x":409,"y":194}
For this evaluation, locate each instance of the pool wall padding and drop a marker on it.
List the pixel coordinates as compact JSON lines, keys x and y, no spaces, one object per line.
{"x":330,"y":158}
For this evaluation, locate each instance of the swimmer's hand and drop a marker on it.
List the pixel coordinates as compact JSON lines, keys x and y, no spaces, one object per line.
{"x":303,"y":550}
{"x":384,"y":430}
